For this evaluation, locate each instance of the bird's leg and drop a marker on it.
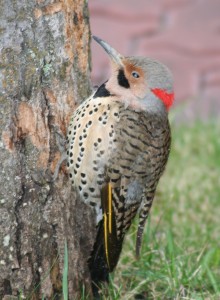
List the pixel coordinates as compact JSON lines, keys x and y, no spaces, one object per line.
{"x":145,"y":209}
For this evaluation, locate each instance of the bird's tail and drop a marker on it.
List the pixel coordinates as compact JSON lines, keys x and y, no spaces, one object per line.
{"x":108,"y":244}
{"x":98,"y":266}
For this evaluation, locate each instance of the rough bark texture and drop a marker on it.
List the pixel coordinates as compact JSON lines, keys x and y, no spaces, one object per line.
{"x":44,"y":72}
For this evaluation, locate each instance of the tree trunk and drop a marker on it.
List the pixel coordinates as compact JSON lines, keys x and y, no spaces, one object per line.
{"x":44,"y":73}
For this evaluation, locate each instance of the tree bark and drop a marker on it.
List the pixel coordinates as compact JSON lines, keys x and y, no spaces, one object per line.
{"x":44,"y":73}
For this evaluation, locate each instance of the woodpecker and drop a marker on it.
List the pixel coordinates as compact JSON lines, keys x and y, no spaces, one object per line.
{"x":118,"y":146}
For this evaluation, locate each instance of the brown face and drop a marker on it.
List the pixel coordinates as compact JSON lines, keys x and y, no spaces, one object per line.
{"x":128,"y":83}
{"x":136,"y":78}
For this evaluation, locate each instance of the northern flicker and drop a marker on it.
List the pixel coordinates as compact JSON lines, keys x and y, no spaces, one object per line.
{"x":118,"y":146}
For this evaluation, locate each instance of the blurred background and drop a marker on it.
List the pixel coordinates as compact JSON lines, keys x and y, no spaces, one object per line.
{"x":183,"y":34}
{"x":181,"y":250}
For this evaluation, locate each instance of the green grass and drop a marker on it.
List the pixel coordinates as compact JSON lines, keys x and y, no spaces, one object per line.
{"x":65,"y":273}
{"x":180,"y":257}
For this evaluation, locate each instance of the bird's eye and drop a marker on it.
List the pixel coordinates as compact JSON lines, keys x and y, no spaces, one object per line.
{"x":135,"y":74}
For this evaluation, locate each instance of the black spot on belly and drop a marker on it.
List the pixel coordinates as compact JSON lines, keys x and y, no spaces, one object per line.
{"x":85,"y":195}
{"x":102,"y":92}
{"x":122,"y":80}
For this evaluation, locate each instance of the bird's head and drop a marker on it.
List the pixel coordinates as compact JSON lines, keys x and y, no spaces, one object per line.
{"x":140,"y":82}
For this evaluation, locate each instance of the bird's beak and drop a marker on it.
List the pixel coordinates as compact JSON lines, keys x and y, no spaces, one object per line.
{"x":114,"y":55}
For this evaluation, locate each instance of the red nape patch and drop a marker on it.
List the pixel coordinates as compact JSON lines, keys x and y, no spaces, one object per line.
{"x":164,"y":96}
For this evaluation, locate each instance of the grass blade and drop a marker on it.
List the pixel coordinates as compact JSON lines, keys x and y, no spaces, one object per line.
{"x":65,"y":273}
